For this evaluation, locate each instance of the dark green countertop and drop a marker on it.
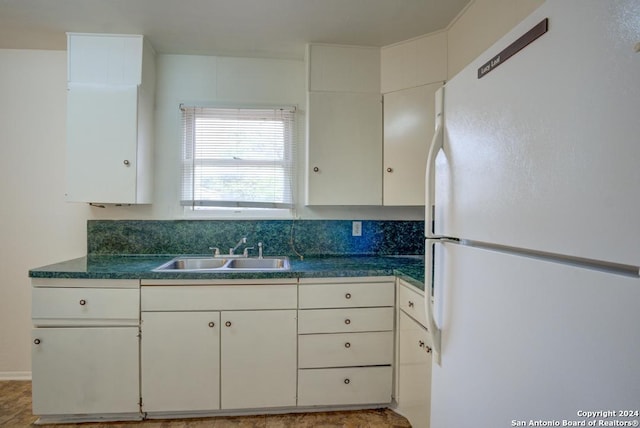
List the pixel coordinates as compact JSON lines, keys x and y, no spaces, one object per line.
{"x":410,"y":268}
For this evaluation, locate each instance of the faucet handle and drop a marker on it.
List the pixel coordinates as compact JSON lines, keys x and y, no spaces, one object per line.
{"x":245,"y":253}
{"x":216,"y":251}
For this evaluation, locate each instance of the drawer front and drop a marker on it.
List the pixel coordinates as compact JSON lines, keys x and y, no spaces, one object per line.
{"x":360,"y":294}
{"x":85,"y":304}
{"x":345,"y":320}
{"x":412,"y":303}
{"x":344,"y":386}
{"x":345,"y":349}
{"x":218,"y":297}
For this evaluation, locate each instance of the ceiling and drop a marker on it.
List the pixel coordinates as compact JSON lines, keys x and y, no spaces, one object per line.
{"x":256,"y":28}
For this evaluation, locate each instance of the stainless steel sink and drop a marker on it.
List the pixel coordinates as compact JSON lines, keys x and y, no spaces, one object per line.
{"x":268,"y":263}
{"x":212,"y":264}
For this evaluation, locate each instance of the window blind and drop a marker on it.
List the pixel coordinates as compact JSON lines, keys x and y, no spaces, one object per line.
{"x":238,"y":157}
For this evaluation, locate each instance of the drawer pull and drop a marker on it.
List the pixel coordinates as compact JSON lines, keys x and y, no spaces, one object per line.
{"x":212,"y":324}
{"x":421,"y":343}
{"x":410,"y":304}
{"x":83,"y":302}
{"x":347,"y":321}
{"x":228,"y":323}
{"x":347,"y":296}
{"x":36,"y":341}
{"x":347,"y":345}
{"x":347,"y":381}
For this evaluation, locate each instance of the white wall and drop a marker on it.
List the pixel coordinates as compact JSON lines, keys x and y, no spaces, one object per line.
{"x":36,"y":226}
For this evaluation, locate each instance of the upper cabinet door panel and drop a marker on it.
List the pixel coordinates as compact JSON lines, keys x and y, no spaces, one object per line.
{"x":338,"y":68}
{"x":408,"y":129}
{"x":344,"y":149}
{"x":102,"y":143}
{"x":105,"y":59}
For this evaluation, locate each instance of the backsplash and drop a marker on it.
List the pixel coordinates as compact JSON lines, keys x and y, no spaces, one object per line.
{"x":309,"y":237}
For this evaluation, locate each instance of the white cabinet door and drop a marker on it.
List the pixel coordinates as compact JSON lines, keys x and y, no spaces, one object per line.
{"x":344,"y":149}
{"x":180,"y":359}
{"x":414,"y":380}
{"x":85,"y":370}
{"x":258,"y":366}
{"x":102,"y":133}
{"x":408,"y":129}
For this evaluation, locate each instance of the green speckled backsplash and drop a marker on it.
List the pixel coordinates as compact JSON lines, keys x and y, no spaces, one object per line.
{"x":310,"y":237}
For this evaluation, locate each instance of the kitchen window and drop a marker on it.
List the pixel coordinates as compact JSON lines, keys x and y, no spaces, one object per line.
{"x":239,"y":160}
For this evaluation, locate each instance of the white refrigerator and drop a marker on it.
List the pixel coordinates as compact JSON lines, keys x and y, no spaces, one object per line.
{"x":533,"y":226}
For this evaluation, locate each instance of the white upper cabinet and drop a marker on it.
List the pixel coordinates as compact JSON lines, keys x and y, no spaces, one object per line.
{"x":344,"y":151}
{"x":110,"y":103}
{"x":344,"y":130}
{"x":408,"y":129}
{"x":339,"y":68}
{"x":413,"y":63}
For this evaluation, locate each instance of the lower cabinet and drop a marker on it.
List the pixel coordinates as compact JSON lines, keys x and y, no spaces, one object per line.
{"x":180,"y":361}
{"x":84,"y":370}
{"x":85,"y":349}
{"x":197,"y":356}
{"x":345,"y":341}
{"x":414,"y":369}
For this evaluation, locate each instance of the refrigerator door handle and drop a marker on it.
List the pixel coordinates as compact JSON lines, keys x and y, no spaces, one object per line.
{"x":429,"y":297}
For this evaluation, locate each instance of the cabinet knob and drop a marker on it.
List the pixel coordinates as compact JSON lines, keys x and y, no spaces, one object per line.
{"x":389,"y":169}
{"x":347,"y":321}
{"x":126,"y":162}
{"x":421,"y":343}
{"x":347,"y":296}
{"x":36,"y":341}
{"x":316,"y":169}
{"x":347,"y":345}
{"x":410,"y":304}
{"x":228,"y":323}
{"x":212,"y":324}
{"x":347,"y":381}
{"x":428,"y":349}
{"x":83,"y":302}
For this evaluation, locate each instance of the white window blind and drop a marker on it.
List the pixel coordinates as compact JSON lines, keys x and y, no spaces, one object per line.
{"x":238,"y":157}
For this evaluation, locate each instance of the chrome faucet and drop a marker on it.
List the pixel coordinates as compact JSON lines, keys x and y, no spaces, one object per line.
{"x":259,"y":250}
{"x":243,"y":240}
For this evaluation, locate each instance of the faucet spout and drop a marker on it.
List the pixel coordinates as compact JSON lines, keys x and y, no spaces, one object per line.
{"x":243,"y":240}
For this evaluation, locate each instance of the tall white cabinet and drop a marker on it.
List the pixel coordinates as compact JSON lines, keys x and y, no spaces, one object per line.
{"x":411,"y":72}
{"x":110,"y":102}
{"x":344,"y":129}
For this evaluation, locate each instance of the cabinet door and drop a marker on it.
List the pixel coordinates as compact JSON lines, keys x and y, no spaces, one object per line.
{"x":408,"y":129}
{"x":85,"y":370}
{"x":258,"y":367}
{"x":414,"y":396}
{"x":180,"y":359}
{"x":345,"y":149}
{"x":102,"y":143}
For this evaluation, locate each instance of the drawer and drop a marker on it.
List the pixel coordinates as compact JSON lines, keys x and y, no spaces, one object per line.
{"x":61,"y":305}
{"x":345,"y":349}
{"x":359,"y":294}
{"x":219,"y":297}
{"x":345,"y":320}
{"x":412,"y":303}
{"x":344,"y":386}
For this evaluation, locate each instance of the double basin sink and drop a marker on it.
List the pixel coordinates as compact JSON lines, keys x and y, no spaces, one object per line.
{"x":222,"y":264}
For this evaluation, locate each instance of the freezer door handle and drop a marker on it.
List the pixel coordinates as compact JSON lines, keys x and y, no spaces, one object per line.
{"x":436,"y":145}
